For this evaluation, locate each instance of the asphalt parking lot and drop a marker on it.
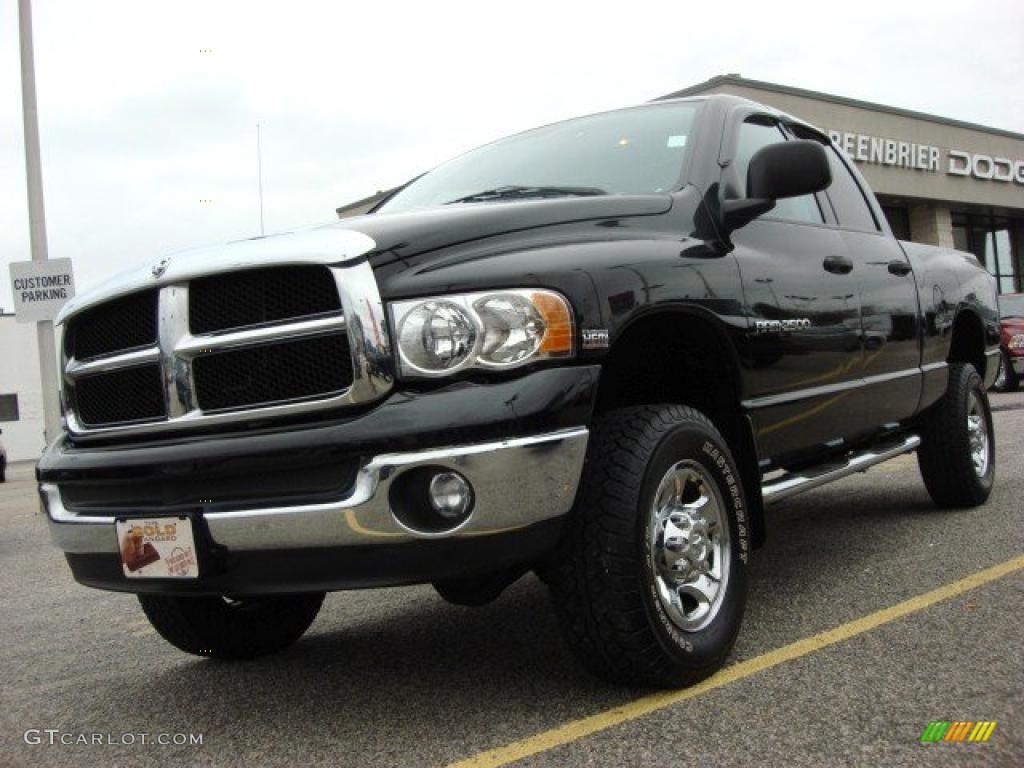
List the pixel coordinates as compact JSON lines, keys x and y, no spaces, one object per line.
{"x":398,"y":677}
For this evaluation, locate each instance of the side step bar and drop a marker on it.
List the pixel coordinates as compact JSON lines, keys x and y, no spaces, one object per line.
{"x":793,"y":483}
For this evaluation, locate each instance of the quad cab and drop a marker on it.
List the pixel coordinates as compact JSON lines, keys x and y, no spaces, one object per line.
{"x":598,"y":350}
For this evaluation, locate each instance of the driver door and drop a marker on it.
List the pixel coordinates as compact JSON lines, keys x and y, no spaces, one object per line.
{"x":804,"y":349}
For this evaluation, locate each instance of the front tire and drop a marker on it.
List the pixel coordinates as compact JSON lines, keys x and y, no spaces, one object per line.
{"x":957,"y":456}
{"x":651,"y":583}
{"x":223,"y":628}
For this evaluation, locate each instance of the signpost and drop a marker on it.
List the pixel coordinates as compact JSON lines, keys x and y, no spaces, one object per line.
{"x":41,"y":288}
{"x":36,"y":218}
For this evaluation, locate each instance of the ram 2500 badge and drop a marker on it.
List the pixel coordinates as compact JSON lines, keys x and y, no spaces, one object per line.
{"x":597,"y":351}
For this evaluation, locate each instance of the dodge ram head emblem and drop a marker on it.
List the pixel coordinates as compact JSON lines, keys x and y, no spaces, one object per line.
{"x":159,"y":269}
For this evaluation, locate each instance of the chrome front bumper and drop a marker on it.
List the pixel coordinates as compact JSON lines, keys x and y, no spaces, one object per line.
{"x":517,"y":482}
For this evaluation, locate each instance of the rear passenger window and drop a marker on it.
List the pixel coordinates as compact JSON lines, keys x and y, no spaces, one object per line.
{"x":751,"y":138}
{"x":848,"y":201}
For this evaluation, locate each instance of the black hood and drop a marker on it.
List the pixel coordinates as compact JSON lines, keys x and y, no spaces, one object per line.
{"x":407,"y":234}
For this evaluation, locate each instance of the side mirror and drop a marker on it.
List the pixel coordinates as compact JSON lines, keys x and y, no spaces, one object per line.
{"x":785,"y":169}
{"x":788,"y":169}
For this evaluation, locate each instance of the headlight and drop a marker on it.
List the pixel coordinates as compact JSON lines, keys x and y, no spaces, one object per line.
{"x":493,"y":330}
{"x":1016,"y":341}
{"x":437,"y":336}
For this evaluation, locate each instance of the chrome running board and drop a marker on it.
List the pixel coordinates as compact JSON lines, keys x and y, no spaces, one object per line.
{"x":793,"y":483}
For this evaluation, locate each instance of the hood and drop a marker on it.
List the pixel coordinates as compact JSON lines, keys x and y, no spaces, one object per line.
{"x":393,"y":236}
{"x":406,"y":234}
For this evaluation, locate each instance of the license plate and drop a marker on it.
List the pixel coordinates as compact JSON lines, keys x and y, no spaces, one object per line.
{"x":158,"y":548}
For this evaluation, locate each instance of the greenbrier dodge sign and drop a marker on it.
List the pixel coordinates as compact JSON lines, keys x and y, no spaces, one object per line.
{"x":924,"y":157}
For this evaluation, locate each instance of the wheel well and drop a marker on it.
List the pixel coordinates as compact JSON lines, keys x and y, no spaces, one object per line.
{"x":675,"y":357}
{"x":968,"y":342}
{"x":670,"y":358}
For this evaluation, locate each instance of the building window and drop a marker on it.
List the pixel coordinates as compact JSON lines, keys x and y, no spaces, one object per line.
{"x":1004,"y":259}
{"x":961,"y":240}
{"x":899,"y":220}
{"x":992,"y":240}
{"x":8,"y":407}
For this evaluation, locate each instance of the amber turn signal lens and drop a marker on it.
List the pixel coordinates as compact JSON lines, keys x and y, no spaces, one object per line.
{"x":558,"y":333}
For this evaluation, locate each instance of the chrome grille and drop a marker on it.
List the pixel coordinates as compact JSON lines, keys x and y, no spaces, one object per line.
{"x":125,"y":323}
{"x":258,"y":296}
{"x":131,"y":394}
{"x":275,"y":373}
{"x":263,"y":352}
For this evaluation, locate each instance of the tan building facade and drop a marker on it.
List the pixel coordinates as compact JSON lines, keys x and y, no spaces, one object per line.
{"x":940,"y":181}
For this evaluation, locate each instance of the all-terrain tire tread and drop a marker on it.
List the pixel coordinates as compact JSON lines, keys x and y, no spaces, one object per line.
{"x":597,"y":587}
{"x":944,"y":457}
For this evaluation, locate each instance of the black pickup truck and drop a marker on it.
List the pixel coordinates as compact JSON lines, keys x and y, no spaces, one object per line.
{"x":596,"y":351}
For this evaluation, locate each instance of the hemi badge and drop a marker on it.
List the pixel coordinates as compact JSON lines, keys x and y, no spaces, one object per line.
{"x":595,"y":338}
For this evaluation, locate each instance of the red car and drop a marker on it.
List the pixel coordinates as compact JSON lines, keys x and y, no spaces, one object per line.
{"x":1011,"y":342}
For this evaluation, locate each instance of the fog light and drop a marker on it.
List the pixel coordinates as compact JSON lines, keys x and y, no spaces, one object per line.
{"x":450,"y":495}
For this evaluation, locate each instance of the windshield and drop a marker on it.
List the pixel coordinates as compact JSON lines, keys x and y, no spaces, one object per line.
{"x":629,"y":151}
{"x":1011,"y":305}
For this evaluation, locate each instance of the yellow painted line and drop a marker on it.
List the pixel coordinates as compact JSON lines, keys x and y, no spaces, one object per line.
{"x":587,"y":726}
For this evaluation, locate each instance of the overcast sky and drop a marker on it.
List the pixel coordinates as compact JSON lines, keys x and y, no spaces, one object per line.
{"x":139,"y":123}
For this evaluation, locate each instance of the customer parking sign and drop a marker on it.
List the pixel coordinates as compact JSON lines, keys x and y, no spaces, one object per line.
{"x":41,"y":288}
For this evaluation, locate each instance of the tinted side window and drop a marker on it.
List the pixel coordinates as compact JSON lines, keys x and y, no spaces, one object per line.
{"x":751,"y":138}
{"x":847,"y":199}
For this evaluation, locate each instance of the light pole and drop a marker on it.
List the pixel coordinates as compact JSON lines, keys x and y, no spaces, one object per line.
{"x":37,"y":218}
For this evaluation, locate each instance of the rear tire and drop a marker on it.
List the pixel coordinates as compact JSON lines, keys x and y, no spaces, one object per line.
{"x":650,"y":581}
{"x":231,"y":629}
{"x":1007,"y":379}
{"x":957,"y":456}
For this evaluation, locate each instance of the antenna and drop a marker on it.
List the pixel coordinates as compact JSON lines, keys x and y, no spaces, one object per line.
{"x":259,"y":172}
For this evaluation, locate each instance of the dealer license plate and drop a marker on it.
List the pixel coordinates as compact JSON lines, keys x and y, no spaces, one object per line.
{"x":158,"y":548}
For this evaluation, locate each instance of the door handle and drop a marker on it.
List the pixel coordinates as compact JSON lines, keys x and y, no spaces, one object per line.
{"x":899,"y":268}
{"x":840,"y":265}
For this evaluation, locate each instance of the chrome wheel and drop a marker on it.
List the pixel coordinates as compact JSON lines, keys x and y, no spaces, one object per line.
{"x":689,"y":546}
{"x":977,"y":434}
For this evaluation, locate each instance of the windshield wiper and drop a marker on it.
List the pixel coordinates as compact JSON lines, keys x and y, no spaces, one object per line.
{"x":516,"y":192}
